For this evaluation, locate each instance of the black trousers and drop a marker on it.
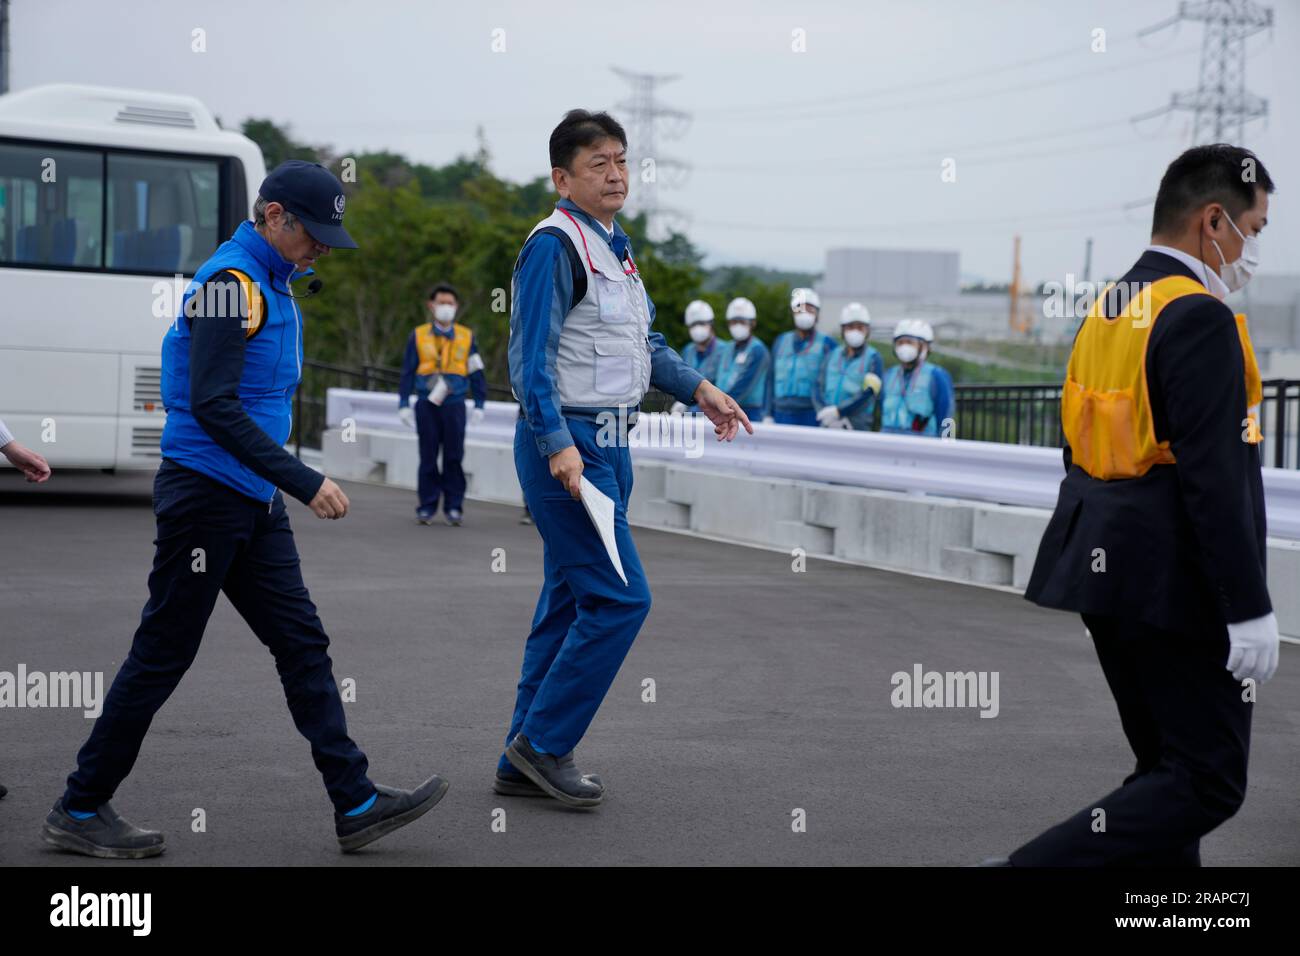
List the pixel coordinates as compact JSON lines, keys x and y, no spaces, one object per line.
{"x":247,"y":551}
{"x":1189,"y":728}
{"x":440,"y":428}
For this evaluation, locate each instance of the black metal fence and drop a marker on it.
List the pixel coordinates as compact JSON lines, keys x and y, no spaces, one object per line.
{"x":1011,"y":414}
{"x":1031,"y":415}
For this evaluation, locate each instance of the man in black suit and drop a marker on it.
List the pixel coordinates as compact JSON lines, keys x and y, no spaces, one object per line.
{"x":1158,"y":537}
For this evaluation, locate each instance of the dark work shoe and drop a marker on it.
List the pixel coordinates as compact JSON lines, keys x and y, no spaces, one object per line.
{"x":993,"y":861}
{"x":454,"y":517}
{"x":511,"y":783}
{"x":556,"y":776}
{"x":105,"y":835}
{"x":424,"y":517}
{"x":391,"y":809}
{"x":3,"y":791}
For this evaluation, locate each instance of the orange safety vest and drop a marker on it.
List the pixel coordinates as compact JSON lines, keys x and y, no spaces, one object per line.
{"x":1106,"y":405}
{"x":438,"y":353}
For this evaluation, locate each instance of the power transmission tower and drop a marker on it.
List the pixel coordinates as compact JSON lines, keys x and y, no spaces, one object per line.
{"x":1221,"y":104}
{"x":645,"y":118}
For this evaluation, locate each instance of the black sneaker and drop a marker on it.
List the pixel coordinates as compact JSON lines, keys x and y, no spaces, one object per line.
{"x":454,"y":517}
{"x":3,"y":791}
{"x":556,"y":776}
{"x":391,"y":809}
{"x":105,"y":835}
{"x":511,"y":783}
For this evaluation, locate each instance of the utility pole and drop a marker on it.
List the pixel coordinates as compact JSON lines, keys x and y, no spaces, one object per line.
{"x":644,"y":116}
{"x":4,"y":47}
{"x":1087,"y":260}
{"x":1221,"y":104}
{"x":1018,"y":324}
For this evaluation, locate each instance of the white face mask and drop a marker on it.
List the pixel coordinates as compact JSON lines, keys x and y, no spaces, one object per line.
{"x":739,"y":331}
{"x":1237,"y":273}
{"x":444,"y":314}
{"x":854,"y":338}
{"x":804,"y":320}
{"x":907,"y":352}
{"x":700,"y":333}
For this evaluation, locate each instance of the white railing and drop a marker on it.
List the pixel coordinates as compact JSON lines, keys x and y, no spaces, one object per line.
{"x":952,"y":468}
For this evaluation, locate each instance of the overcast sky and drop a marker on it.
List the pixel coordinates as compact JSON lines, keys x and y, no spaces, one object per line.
{"x":792,"y":152}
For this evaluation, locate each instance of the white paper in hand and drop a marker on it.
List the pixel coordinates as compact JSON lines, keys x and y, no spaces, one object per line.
{"x":439,"y":391}
{"x":600,"y":509}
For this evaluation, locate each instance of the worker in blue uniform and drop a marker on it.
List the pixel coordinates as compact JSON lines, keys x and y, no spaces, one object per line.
{"x":441,"y":365}
{"x":231,"y":362}
{"x":916,"y":396}
{"x":744,"y":365}
{"x":850,"y":377}
{"x":796,"y":361}
{"x":582,"y":355}
{"x":701,"y":352}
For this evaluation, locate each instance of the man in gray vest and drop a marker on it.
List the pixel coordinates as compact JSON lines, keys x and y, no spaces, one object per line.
{"x":581,"y":359}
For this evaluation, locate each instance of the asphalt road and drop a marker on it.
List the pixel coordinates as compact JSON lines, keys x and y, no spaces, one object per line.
{"x":772,"y":694}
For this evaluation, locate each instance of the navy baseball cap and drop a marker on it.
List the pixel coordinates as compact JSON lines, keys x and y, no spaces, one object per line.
{"x":313,"y":194}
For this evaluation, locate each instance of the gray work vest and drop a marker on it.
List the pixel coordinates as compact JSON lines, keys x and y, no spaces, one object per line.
{"x":603,"y":358}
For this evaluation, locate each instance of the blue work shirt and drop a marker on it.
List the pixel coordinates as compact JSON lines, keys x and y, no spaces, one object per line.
{"x":543,"y":282}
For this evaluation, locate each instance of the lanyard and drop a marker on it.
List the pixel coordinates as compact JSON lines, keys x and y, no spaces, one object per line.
{"x":587,"y":252}
{"x":444,"y":344}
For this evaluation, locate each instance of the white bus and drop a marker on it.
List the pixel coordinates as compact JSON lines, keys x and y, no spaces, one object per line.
{"x":106,"y":197}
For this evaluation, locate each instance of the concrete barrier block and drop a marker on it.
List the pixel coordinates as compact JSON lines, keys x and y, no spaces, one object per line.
{"x":980,"y":567}
{"x":1283,"y":573}
{"x":798,"y":534}
{"x":1011,"y":531}
{"x":659,"y":513}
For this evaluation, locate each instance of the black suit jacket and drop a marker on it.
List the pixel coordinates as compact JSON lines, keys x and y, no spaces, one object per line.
{"x":1183,"y":545}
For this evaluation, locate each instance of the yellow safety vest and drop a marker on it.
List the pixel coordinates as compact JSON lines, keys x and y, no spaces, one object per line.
{"x":438,"y":353}
{"x":1106,"y":405}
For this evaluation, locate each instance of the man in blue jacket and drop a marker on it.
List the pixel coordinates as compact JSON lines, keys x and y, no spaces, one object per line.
{"x":231,"y":362}
{"x":744,"y":365}
{"x":581,"y":359}
{"x":442,"y":364}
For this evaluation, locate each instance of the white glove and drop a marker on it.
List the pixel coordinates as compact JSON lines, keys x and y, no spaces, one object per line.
{"x":476,"y":416}
{"x":1254,"y":648}
{"x":843,"y":423}
{"x":768,"y":420}
{"x":407,"y":415}
{"x":677,"y":408}
{"x":828,"y":416}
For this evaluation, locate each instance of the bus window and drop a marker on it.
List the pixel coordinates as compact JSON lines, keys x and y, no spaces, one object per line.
{"x":51,"y":206}
{"x":162,"y":213}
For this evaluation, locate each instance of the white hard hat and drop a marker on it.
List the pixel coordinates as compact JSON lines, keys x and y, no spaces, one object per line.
{"x":699,"y":311}
{"x":916,"y":328}
{"x":803,"y":296}
{"x":855,"y":312}
{"x":741,"y":308}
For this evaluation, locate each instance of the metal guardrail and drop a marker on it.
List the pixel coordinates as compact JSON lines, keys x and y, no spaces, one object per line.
{"x":1031,"y":415}
{"x":1016,"y":414}
{"x":991,"y":472}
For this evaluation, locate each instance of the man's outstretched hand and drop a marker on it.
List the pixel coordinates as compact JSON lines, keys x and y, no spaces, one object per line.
{"x":721,"y":409}
{"x":34,"y":467}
